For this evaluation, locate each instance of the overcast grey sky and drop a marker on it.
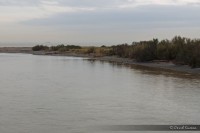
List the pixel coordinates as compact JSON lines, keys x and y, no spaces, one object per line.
{"x":97,"y":21}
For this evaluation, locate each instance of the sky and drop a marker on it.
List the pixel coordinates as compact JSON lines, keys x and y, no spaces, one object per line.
{"x":96,"y":22}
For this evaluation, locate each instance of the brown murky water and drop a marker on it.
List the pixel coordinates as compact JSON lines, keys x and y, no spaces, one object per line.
{"x":46,"y":94}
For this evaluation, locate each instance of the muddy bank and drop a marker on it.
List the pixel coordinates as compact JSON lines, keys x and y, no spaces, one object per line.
{"x":154,"y":64}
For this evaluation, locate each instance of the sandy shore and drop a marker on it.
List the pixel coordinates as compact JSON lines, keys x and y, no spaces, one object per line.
{"x":153,"y":64}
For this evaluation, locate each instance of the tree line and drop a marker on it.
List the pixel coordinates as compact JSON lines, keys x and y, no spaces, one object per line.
{"x":61,"y":48}
{"x":180,"y":50}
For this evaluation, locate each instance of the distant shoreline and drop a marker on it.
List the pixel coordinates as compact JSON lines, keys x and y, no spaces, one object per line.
{"x":154,"y":64}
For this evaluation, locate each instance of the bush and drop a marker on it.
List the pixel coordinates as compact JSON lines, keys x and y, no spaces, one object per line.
{"x":181,"y":50}
{"x":63,"y":48}
{"x":40,"y":48}
{"x":91,"y":50}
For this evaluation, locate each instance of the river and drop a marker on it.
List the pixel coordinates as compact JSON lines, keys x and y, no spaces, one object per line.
{"x":57,"y":94}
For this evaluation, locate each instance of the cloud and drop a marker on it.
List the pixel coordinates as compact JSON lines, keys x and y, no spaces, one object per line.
{"x":111,"y":20}
{"x":96,"y":3}
{"x":135,"y":3}
{"x":20,"y":10}
{"x":16,"y":11}
{"x":123,"y":3}
{"x":141,"y":15}
{"x":139,"y":22}
{"x":19,"y":2}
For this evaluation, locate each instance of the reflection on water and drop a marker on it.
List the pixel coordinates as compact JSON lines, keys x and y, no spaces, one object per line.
{"x":47,"y":94}
{"x":149,"y":70}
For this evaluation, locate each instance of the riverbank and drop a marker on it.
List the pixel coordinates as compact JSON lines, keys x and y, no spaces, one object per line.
{"x":154,"y":64}
{"x":27,"y":50}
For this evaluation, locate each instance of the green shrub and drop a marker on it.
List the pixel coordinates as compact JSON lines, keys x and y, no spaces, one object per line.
{"x":40,"y":48}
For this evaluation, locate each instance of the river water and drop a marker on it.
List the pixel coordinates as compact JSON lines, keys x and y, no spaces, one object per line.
{"x":52,"y":94}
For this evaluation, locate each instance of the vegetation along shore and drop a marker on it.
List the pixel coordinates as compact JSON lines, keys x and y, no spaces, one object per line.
{"x":179,"y":54}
